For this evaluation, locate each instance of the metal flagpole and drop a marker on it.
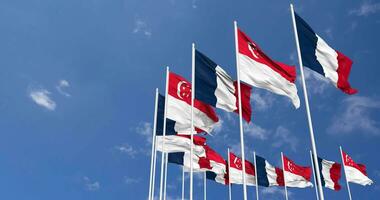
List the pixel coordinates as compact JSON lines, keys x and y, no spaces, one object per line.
{"x":283,"y":169}
{"x":152,"y":159}
{"x":154,"y":169}
{"x":164,"y":133}
{"x":166,"y":174}
{"x":240,"y":111}
{"x":229,"y":175}
{"x":257,"y":182}
{"x":345,"y":175}
{"x":183,"y":183}
{"x":204,"y":186}
{"x":315,"y":178}
{"x":192,"y":116}
{"x":314,"y":148}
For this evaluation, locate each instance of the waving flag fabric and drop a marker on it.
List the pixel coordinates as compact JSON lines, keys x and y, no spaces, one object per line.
{"x":355,"y":173}
{"x":215,"y":87}
{"x":218,"y":171}
{"x":267,"y":175}
{"x":179,"y":107}
{"x":184,"y":159}
{"x":181,"y":143}
{"x":321,"y":58}
{"x":170,"y":124}
{"x":236,"y":171}
{"x":330,"y":172}
{"x":258,"y":70}
{"x":296,"y":175}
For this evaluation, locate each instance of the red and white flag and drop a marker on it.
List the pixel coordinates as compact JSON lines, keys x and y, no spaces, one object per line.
{"x":355,"y":173}
{"x":218,"y":166}
{"x":236,"y":171}
{"x":296,"y":175}
{"x":258,"y":70}
{"x":181,"y":143}
{"x":179,"y":107}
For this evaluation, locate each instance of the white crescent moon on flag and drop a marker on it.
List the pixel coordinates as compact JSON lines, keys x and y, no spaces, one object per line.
{"x":179,"y":88}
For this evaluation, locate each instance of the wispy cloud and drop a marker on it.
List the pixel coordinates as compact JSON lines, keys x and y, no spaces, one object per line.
{"x":273,"y":191}
{"x":355,"y":114}
{"x":316,"y":83}
{"x":127,"y":149}
{"x":256,"y":131}
{"x":62,"y":85}
{"x":194,"y":4}
{"x":262,"y":100}
{"x":218,"y":127}
{"x":42,"y":98}
{"x":145,"y":129}
{"x":142,"y":28}
{"x":283,"y":137}
{"x":130,"y":180}
{"x":91,"y":185}
{"x":366,"y":8}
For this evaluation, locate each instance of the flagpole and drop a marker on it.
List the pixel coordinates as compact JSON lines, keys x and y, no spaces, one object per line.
{"x":204,"y":186}
{"x":164,"y":133}
{"x":154,"y":168}
{"x":240,"y":111}
{"x":257,"y":182}
{"x":166,"y":174}
{"x":192,"y":116}
{"x":152,"y":159}
{"x":314,"y":148}
{"x":345,"y":175}
{"x":315,"y":178}
{"x":229,"y":174}
{"x":183,"y":183}
{"x":283,"y":170}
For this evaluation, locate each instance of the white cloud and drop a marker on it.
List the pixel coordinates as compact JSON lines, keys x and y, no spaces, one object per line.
{"x":145,"y":129}
{"x":41,"y":97}
{"x":91,"y":185}
{"x":218,"y":127}
{"x":273,"y":191}
{"x":256,"y":131}
{"x":262,"y":100}
{"x":366,"y":8}
{"x":142,"y":27}
{"x":130,"y":180}
{"x":356,"y":115}
{"x":62,"y":84}
{"x":315,"y":83}
{"x":127,"y":149}
{"x":282,"y":137}
{"x":329,"y":33}
{"x":194,"y":4}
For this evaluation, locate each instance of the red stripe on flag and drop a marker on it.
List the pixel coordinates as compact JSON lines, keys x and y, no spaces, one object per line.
{"x":344,"y":68}
{"x":245,"y":100}
{"x":335,"y":175}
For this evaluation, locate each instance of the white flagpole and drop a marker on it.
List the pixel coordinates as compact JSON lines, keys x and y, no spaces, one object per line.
{"x":164,"y":133}
{"x":229,"y":175}
{"x":313,"y":146}
{"x":345,"y":175}
{"x":192,"y":116}
{"x":154,"y":169}
{"x":204,"y":186}
{"x":315,"y":178}
{"x":152,"y":159}
{"x":183,"y":183}
{"x":257,"y":182}
{"x":166,"y":174}
{"x":240,"y":111}
{"x":283,"y":169}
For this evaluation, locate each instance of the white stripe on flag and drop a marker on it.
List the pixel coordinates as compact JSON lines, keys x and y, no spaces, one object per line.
{"x":353,"y":175}
{"x":225,"y":91}
{"x":175,"y":143}
{"x":236,"y":177}
{"x":328,"y":58}
{"x":294,"y":180}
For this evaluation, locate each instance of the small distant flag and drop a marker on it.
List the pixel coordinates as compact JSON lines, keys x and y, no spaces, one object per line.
{"x":296,"y":175}
{"x":321,"y":58}
{"x":184,"y":159}
{"x":330,"y":172}
{"x":258,"y":70}
{"x":236,"y":171}
{"x":218,"y":171}
{"x":181,"y":143}
{"x":267,"y":175}
{"x":170,"y":124}
{"x":179,"y":107}
{"x":215,"y":87}
{"x":355,"y":173}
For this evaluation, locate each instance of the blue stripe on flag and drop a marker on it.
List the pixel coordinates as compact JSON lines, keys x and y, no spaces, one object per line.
{"x":320,"y":171}
{"x":160,"y":119}
{"x":205,"y":79}
{"x":262,"y":177}
{"x":308,"y":44}
{"x":210,"y":175}
{"x":176,"y":158}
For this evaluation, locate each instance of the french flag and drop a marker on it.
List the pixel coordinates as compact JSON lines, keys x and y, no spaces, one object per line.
{"x":258,"y":70}
{"x":236,"y":171}
{"x":320,"y":57}
{"x":179,"y":107}
{"x":296,"y":175}
{"x":330,"y":172}
{"x":170,"y":124}
{"x":181,"y":143}
{"x":355,"y":173}
{"x":267,"y":175}
{"x":215,"y":87}
{"x":183,"y":158}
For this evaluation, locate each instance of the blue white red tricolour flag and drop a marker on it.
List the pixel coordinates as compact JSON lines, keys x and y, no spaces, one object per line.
{"x":296,"y":175}
{"x":236,"y":171}
{"x":181,"y":143}
{"x":214,"y":86}
{"x":183,"y":158}
{"x":330,"y":173}
{"x":258,"y":70}
{"x":355,"y":173}
{"x":179,"y":107}
{"x":170,"y":124}
{"x":320,"y":57}
{"x":268,"y":175}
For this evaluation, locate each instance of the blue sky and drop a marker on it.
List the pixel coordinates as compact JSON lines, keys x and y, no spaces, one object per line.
{"x":77,"y":88}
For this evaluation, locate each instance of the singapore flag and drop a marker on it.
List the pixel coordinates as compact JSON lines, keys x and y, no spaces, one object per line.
{"x":295,"y":175}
